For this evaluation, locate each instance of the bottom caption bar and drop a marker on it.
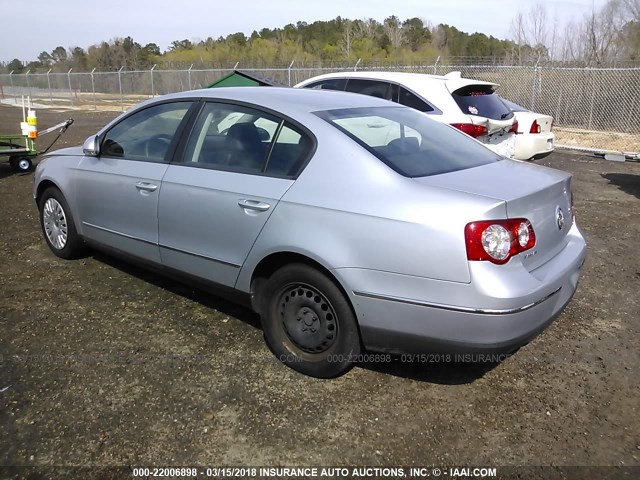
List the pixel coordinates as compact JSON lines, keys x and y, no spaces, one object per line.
{"x":337,"y":472}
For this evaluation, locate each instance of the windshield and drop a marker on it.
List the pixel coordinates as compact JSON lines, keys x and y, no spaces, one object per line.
{"x":409,"y":141}
{"x":514,"y":107}
{"x":482,"y":101}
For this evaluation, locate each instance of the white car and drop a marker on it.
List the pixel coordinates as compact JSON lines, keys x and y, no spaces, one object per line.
{"x":471,"y":106}
{"x":534,"y":138}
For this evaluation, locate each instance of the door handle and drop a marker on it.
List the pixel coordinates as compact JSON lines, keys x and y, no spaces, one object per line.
{"x":254,"y":205}
{"x":147,"y":187}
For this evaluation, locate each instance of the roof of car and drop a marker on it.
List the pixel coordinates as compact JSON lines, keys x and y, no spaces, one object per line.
{"x":453,"y":80}
{"x":287,"y":99}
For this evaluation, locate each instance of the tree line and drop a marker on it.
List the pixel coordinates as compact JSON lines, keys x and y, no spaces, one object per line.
{"x":611,"y":33}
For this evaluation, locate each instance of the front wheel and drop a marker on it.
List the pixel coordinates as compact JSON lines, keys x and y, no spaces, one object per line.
{"x":308,"y":322}
{"x":57,"y":225}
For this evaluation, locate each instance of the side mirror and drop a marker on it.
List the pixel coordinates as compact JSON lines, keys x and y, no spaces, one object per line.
{"x":91,"y":146}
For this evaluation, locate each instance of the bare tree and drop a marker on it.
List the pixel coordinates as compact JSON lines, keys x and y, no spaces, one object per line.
{"x":518,"y":34}
{"x":531,"y":29}
{"x":537,"y":25}
{"x":367,"y":28}
{"x":347,"y":37}
{"x":603,"y":30}
{"x":632,"y":8}
{"x":394,"y":31}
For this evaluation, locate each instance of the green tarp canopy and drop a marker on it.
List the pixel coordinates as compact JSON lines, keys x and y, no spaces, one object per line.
{"x":239,"y":78}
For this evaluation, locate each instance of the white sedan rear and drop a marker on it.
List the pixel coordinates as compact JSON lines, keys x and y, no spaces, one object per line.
{"x":534,"y":138}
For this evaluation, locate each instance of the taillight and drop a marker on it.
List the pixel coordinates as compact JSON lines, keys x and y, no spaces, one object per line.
{"x":535,"y":127}
{"x":514,"y":127}
{"x":498,"y":240}
{"x":470,"y":129}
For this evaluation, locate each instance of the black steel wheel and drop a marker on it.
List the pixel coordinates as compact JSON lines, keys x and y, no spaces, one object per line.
{"x":308,"y":322}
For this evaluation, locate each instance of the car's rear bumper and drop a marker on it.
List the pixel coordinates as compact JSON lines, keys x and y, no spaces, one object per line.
{"x":464,"y":317}
{"x":529,"y":146}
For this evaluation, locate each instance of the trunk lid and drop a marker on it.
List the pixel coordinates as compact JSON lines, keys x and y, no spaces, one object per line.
{"x":525,"y":120}
{"x":537,"y":193}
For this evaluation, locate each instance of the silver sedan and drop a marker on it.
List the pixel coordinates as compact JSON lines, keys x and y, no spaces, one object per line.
{"x":345,"y":221}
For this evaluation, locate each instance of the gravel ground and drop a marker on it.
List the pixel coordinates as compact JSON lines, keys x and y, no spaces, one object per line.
{"x":107,"y":364}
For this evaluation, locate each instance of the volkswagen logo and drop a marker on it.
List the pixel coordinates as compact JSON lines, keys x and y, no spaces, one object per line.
{"x":559,"y":218}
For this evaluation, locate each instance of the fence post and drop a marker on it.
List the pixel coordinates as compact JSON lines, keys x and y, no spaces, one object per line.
{"x":355,"y":67}
{"x":593,"y":95}
{"x":189,"y":75}
{"x":28,"y":84}
{"x":15,"y":98}
{"x":120,"y":87}
{"x":289,"y":71}
{"x":49,"y":86}
{"x":534,"y":85}
{"x":153,"y":92}
{"x":70,"y":89}
{"x":435,"y":65}
{"x":93,"y":90}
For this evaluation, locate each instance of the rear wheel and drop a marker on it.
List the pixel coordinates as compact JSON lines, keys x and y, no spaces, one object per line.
{"x":57,"y":225}
{"x":308,"y":322}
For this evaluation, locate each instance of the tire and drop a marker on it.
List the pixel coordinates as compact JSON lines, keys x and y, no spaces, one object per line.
{"x":57,"y":225}
{"x":21,"y":164}
{"x":308,"y":323}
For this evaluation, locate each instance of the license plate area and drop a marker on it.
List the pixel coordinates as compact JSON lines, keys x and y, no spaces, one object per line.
{"x":501,"y":143}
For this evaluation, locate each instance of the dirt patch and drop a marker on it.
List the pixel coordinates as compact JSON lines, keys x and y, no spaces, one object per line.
{"x":108,"y":364}
{"x":607,"y":141}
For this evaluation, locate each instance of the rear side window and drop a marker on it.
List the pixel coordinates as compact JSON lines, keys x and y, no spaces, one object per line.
{"x":330,"y":84}
{"x":482,"y":101}
{"x":373,"y":88}
{"x":289,"y":153}
{"x":411,"y":100}
{"x":232,"y":138}
{"x":241,"y":139}
{"x":409,"y":142}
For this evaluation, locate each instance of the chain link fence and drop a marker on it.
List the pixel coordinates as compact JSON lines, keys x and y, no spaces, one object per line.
{"x":593,"y":108}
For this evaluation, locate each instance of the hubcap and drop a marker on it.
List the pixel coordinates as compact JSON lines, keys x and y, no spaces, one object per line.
{"x":308,"y":318}
{"x":23,"y":164}
{"x":55,"y":223}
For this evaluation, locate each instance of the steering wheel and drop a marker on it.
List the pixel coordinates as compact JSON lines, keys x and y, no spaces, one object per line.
{"x":157,"y":145}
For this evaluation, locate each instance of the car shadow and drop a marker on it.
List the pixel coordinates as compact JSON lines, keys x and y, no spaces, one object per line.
{"x":628,"y":183}
{"x":197,"y":294}
{"x":432,"y":370}
{"x":438,"y":372}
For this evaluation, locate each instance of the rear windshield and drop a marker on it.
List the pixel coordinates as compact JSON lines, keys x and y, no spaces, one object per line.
{"x":408,"y":141}
{"x":514,"y":107}
{"x":482,"y":101}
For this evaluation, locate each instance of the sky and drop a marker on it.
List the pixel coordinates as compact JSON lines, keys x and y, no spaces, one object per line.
{"x":30,"y":27}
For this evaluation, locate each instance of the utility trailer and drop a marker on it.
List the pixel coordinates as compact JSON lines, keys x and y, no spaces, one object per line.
{"x":21,"y":149}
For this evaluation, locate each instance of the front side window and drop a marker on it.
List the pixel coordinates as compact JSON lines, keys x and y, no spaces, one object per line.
{"x":244,"y":140}
{"x":145,"y":135}
{"x":408,"y":141}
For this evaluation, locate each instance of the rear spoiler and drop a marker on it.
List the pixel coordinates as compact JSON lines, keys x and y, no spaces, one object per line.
{"x":456,"y":82}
